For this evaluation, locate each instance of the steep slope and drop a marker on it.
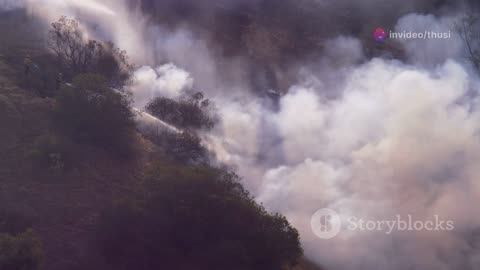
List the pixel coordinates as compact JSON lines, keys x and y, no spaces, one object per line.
{"x":60,"y":208}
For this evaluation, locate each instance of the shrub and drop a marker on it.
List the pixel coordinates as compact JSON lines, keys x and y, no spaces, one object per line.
{"x":52,"y":153}
{"x":90,"y":112}
{"x":21,"y":252}
{"x":193,"y":112}
{"x":185,"y":147}
{"x":196,"y":218}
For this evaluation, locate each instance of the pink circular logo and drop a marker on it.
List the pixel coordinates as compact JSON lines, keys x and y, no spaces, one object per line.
{"x":380,"y":35}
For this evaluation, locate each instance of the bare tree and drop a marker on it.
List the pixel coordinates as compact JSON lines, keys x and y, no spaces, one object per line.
{"x":81,"y":55}
{"x":71,"y":46}
{"x":468,"y":27}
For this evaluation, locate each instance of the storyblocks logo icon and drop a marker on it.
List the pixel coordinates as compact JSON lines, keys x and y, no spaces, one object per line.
{"x":326,"y":223}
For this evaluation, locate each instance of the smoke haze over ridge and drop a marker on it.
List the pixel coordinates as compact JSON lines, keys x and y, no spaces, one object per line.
{"x":369,"y":136}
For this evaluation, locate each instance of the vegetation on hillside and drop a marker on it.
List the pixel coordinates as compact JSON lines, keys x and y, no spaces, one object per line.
{"x":89,"y":111}
{"x":20,"y":246}
{"x":175,"y":213}
{"x":20,"y":252}
{"x":193,"y":112}
{"x":78,"y":54}
{"x":195,"y":218}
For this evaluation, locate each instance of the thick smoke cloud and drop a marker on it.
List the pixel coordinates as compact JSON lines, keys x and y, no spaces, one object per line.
{"x":397,"y":142}
{"x":368,"y":136}
{"x":164,"y":81}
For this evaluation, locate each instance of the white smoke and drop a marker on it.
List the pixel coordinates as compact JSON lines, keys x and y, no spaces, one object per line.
{"x":430,"y":52}
{"x":402,"y":139}
{"x":165,"y":81}
{"x":397,"y":142}
{"x":397,"y":138}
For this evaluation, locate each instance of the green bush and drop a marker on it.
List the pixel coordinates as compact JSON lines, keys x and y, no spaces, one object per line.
{"x":89,"y":112}
{"x":21,"y":252}
{"x":198,"y":218}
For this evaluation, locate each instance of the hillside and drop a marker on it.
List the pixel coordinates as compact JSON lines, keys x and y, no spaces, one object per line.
{"x":60,"y":209}
{"x":61,"y":204}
